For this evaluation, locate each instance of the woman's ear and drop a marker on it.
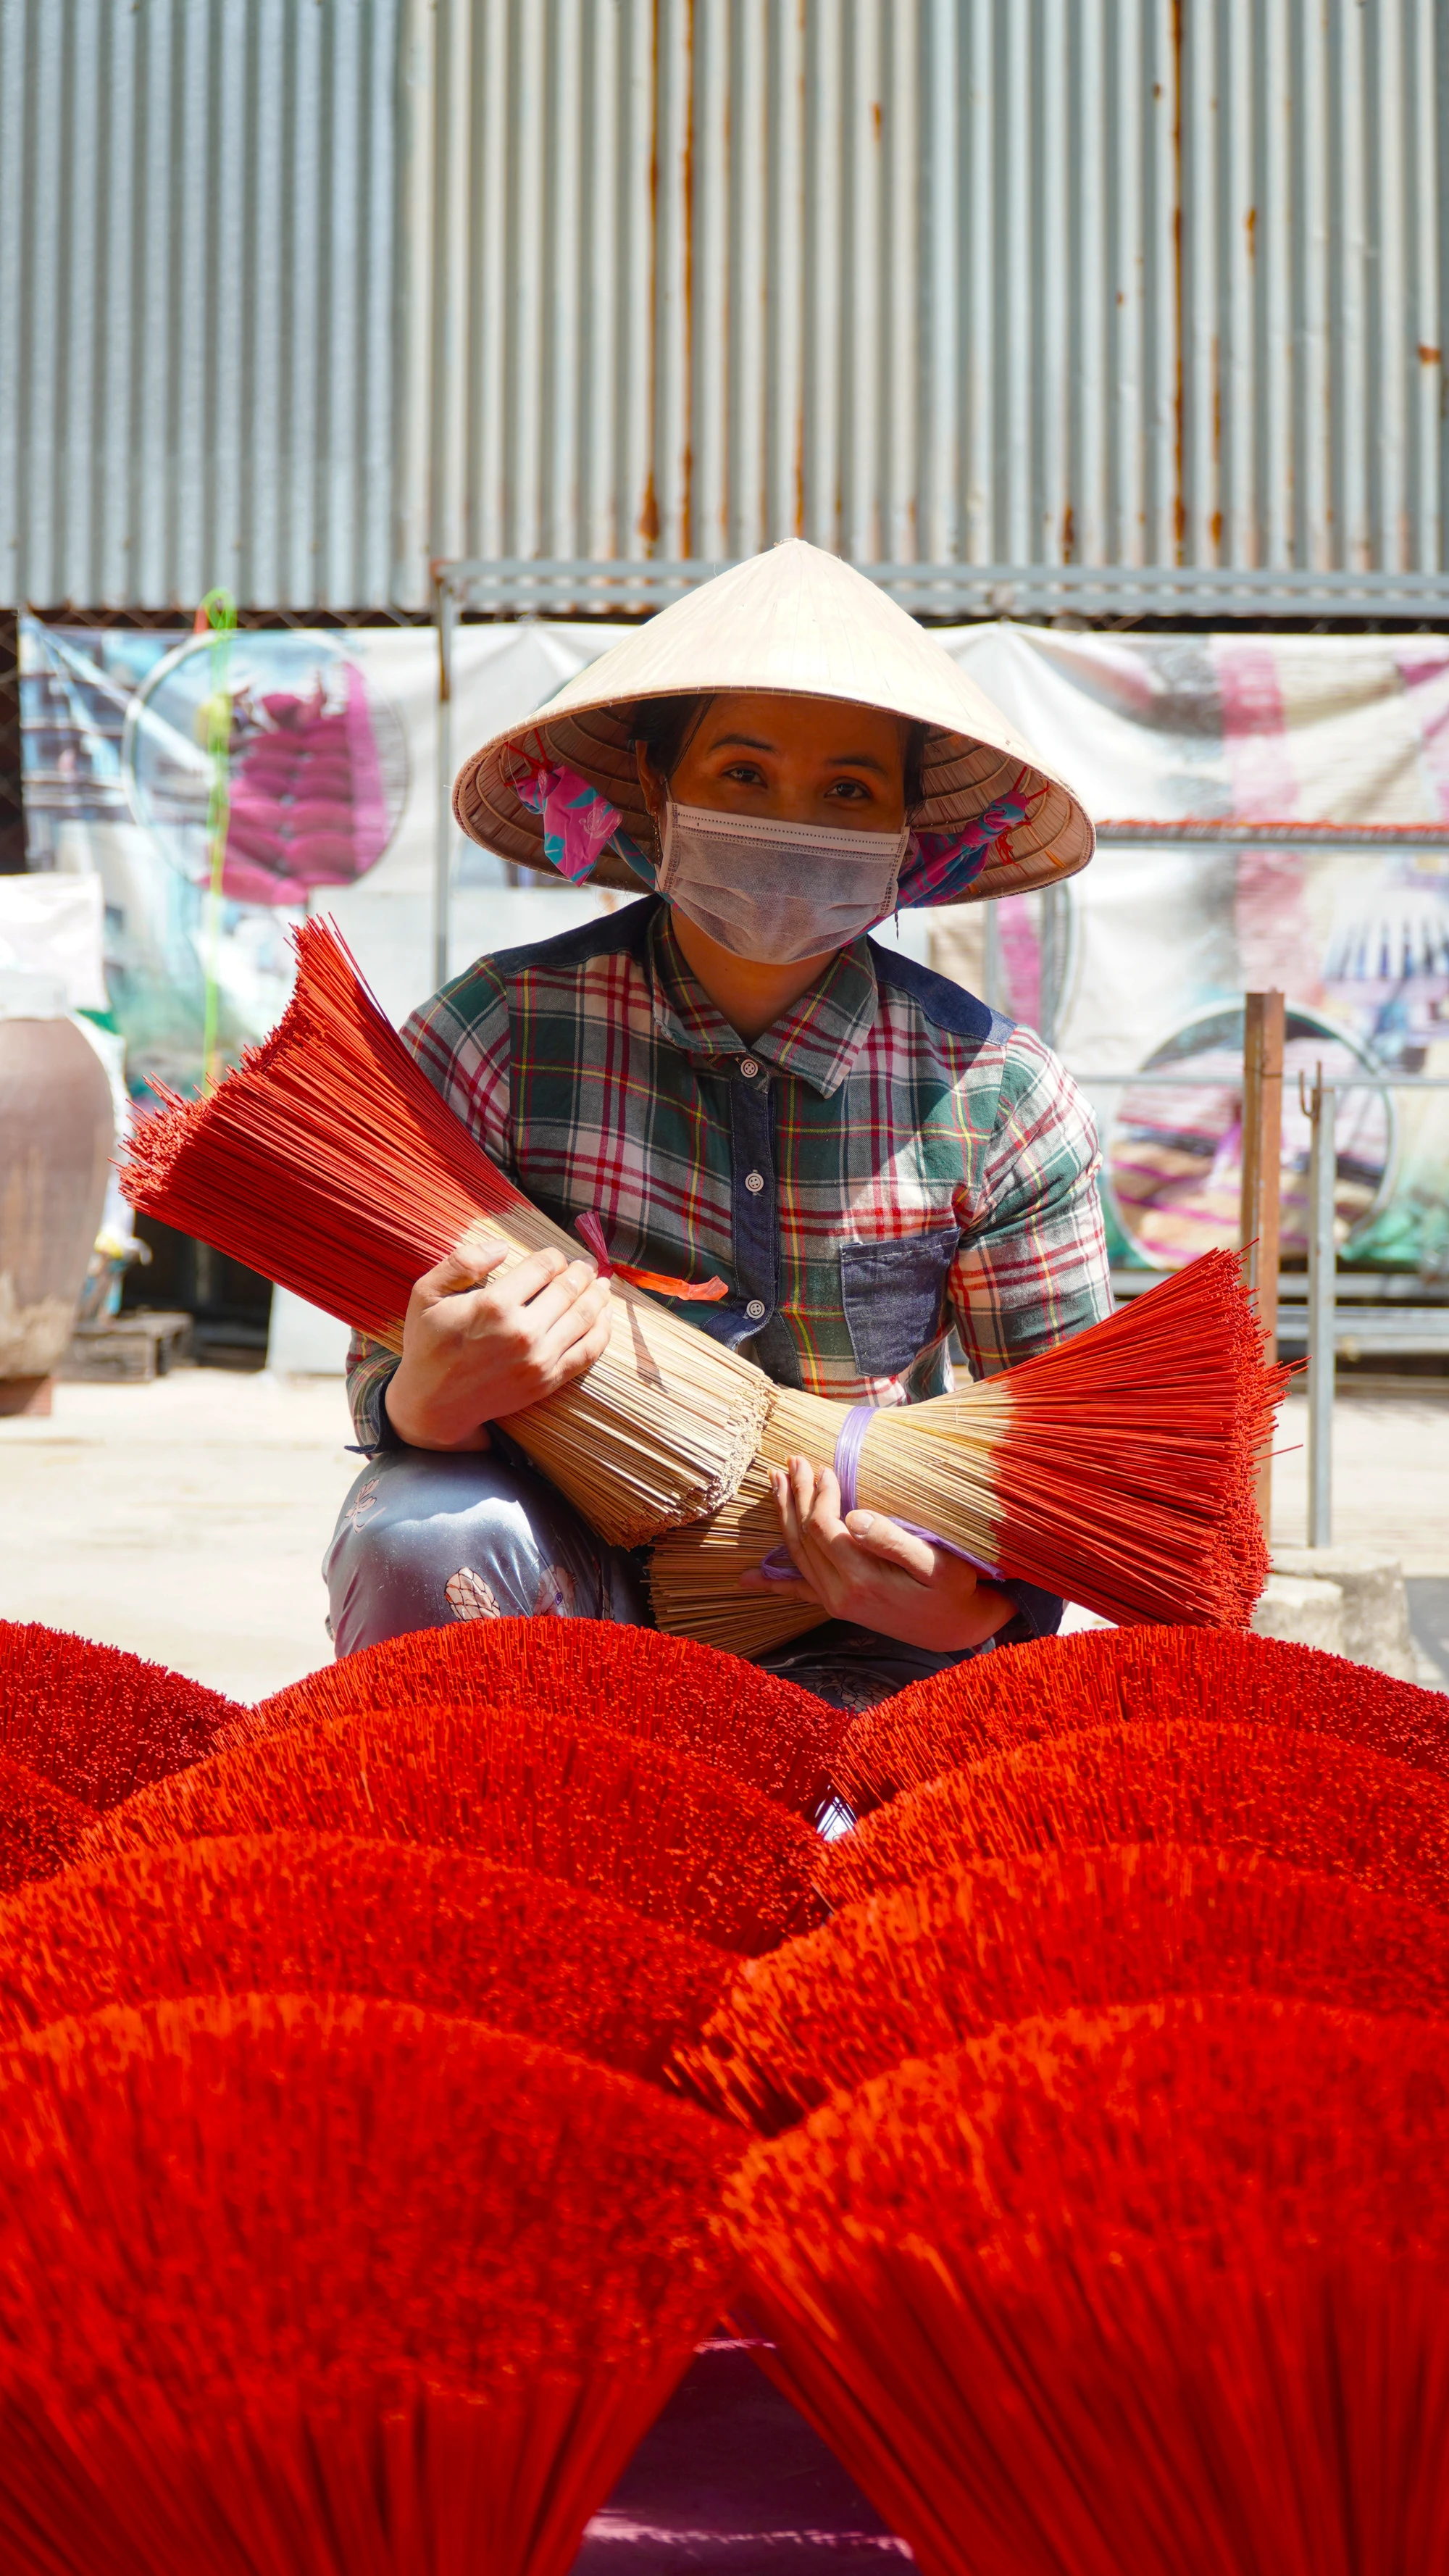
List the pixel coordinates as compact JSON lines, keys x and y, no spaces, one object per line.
{"x":650,"y":781}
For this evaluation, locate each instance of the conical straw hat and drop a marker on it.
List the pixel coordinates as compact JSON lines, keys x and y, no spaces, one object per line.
{"x":800,"y":621}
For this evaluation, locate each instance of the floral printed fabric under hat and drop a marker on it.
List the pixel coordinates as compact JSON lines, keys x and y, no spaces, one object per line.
{"x":579,"y":824}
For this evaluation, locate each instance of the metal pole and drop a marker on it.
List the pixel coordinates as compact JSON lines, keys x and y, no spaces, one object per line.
{"x":1322,"y":1109}
{"x":1051,"y":974}
{"x":443,"y":840}
{"x":1263,"y":1029}
{"x":991,"y":958}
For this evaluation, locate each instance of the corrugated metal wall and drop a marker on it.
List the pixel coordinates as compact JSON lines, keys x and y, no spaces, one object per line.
{"x":303,"y":292}
{"x":893,"y":274}
{"x":198,"y":228}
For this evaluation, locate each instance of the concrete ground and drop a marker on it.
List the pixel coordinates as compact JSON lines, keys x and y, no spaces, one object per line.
{"x":1390,"y":1474}
{"x":187,"y":1519}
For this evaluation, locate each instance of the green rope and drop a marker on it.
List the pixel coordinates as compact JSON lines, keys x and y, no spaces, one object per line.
{"x":219,"y":610}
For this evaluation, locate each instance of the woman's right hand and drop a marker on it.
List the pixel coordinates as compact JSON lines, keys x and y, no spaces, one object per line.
{"x":472,"y":1354}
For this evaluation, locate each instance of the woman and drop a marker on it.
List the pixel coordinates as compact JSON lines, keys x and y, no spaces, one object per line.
{"x":736,"y":1081}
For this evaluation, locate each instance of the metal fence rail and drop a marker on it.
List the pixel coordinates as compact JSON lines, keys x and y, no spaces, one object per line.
{"x":1325,"y":1325}
{"x":957,"y":592}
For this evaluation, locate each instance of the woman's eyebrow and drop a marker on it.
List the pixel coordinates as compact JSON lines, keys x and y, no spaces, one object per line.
{"x":834,"y":759}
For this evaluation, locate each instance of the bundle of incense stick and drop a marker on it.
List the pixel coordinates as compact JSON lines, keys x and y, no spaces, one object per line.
{"x":1307,"y":1799}
{"x":665,"y":1690}
{"x":675,"y":1838}
{"x":310,"y":1913}
{"x":1116,"y":1469}
{"x":316,"y":2284}
{"x":329,"y":1163}
{"x":1158,"y":2289}
{"x":1112,"y":1676}
{"x":95,"y":1721}
{"x":919,"y":1970}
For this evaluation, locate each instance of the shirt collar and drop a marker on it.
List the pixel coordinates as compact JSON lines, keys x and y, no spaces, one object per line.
{"x":817,"y":1039}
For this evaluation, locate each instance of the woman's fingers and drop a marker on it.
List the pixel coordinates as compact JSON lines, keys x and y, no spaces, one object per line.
{"x":812,"y":1500}
{"x":891,"y":1545}
{"x":782,"y":1487}
{"x":544,"y":1308}
{"x":814,"y":1532}
{"x":459,"y":1271}
{"x":577,"y":1343}
{"x":790,"y":1587}
{"x":581,"y":1318}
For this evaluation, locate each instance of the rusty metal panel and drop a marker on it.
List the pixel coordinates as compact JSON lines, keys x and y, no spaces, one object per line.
{"x":1132,"y":306}
{"x":198,"y":227}
{"x":992,"y":283}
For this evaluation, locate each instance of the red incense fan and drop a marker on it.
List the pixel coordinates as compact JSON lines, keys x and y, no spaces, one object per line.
{"x":325,"y":2286}
{"x":917,"y":1970}
{"x":313,"y":1913}
{"x":1164,"y":2291}
{"x":1063,"y":1683}
{"x":674,"y":1838}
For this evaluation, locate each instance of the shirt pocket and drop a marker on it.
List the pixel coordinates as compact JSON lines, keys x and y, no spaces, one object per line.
{"x":894,"y":1296}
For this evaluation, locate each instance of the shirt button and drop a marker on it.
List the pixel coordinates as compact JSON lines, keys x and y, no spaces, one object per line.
{"x":748,"y":1067}
{"x":755,"y":1309}
{"x":754,"y":1183}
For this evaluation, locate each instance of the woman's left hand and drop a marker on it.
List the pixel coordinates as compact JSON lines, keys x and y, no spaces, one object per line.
{"x":869,"y":1570}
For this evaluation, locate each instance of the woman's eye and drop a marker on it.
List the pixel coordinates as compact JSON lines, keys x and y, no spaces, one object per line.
{"x":851,"y":790}
{"x":744,"y":774}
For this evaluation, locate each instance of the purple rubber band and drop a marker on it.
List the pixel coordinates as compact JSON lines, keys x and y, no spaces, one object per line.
{"x":780,"y":1566}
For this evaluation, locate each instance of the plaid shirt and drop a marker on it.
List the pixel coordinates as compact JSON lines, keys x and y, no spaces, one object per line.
{"x":890,"y":1159}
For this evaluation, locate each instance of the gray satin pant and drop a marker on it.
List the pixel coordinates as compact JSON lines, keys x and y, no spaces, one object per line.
{"x":428,"y":1536}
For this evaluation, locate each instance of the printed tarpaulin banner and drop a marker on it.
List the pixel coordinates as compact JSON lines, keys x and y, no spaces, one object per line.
{"x":1162,"y":942}
{"x":1158,"y":943}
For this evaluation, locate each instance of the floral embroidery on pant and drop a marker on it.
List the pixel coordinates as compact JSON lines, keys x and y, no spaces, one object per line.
{"x":363,"y":1504}
{"x":469,"y":1597}
{"x":554,"y":1598}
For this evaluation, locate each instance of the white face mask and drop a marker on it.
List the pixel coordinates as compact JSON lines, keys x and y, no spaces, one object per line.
{"x":776,"y":891}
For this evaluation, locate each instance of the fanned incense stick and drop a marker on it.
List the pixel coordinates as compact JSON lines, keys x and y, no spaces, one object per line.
{"x":306,"y":2284}
{"x":40,"y":1825}
{"x":670,"y":1836}
{"x":1116,"y":1469}
{"x":1304,"y":1798}
{"x":1160,"y":2291}
{"x":666,"y":1690}
{"x":919,"y":1970}
{"x":96,"y":1721}
{"x":1061,"y":1684}
{"x":329,"y":1162}
{"x":309,"y":1913}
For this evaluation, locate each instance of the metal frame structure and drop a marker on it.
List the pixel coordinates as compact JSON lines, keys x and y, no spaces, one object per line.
{"x":1327,"y":1323}
{"x":959,"y":593}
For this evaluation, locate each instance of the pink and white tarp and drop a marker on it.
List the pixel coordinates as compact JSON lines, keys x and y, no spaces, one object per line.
{"x":1161,"y":941}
